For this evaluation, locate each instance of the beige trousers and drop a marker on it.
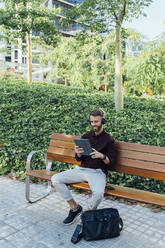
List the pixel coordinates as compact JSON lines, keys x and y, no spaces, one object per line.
{"x":96,"y":179}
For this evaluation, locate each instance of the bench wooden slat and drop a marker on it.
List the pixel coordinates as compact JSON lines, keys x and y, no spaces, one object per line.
{"x":130,"y":193}
{"x":62,"y":158}
{"x":64,"y":137}
{"x":141,"y":148}
{"x":142,"y":156}
{"x":132,"y":163}
{"x":61,"y":151}
{"x":61,"y":143}
{"x":41,"y":174}
{"x":139,"y":172}
{"x":125,"y":192}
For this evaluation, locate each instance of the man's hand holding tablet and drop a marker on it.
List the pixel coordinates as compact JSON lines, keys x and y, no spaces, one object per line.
{"x":83,"y":147}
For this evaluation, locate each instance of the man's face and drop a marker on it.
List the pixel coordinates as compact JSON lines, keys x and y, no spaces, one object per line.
{"x":96,"y":123}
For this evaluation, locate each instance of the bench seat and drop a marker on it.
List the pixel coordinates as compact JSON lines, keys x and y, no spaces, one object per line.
{"x":120,"y":191}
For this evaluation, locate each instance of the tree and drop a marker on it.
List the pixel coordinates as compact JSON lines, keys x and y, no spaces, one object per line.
{"x":81,"y":63}
{"x":147,"y":70}
{"x":99,"y":16}
{"x":20,"y":18}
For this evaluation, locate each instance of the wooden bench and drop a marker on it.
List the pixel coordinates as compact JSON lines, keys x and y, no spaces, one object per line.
{"x":134,"y":159}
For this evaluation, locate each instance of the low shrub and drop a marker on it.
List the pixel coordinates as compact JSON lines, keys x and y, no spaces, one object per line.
{"x":30,"y":113}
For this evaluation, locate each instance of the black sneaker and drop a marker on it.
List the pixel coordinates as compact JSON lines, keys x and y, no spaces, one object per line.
{"x":72,"y":215}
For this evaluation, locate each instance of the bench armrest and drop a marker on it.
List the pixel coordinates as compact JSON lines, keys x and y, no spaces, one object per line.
{"x":29,"y":158}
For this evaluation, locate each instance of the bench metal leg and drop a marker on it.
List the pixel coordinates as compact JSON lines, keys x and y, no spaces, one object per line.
{"x":28,"y":191}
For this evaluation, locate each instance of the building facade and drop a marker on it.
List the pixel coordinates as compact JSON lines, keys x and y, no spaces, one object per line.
{"x":14,"y":57}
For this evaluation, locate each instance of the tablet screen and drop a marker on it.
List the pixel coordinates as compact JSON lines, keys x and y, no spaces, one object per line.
{"x":85,"y":144}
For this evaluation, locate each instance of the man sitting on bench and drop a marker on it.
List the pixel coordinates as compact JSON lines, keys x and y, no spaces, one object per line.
{"x":94,"y":168}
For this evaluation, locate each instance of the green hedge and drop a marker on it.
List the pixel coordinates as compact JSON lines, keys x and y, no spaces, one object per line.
{"x":30,"y":113}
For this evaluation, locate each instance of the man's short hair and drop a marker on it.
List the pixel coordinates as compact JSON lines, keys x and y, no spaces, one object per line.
{"x":97,"y":112}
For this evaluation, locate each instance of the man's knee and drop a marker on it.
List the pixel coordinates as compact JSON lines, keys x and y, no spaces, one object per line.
{"x":56,"y":179}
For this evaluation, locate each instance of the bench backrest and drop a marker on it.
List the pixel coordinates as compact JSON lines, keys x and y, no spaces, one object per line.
{"x":134,"y":159}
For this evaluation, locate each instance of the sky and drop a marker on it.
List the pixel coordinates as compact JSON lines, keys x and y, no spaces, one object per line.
{"x":152,"y":25}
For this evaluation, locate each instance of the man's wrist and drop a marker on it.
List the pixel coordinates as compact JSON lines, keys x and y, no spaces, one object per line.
{"x":103,"y":157}
{"x":79,"y":155}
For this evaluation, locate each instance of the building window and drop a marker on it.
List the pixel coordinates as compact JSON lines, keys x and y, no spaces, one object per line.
{"x":23,"y":49}
{"x":8,"y":58}
{"x":24,"y":60}
{"x":16,"y":54}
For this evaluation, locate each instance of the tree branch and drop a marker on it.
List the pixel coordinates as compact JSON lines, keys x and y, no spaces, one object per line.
{"x":124,"y":11}
{"x":114,"y":13}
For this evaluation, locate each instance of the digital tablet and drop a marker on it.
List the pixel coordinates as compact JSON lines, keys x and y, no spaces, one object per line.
{"x":85,"y":144}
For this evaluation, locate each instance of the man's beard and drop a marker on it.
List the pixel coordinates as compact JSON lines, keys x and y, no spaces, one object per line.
{"x":97,"y":128}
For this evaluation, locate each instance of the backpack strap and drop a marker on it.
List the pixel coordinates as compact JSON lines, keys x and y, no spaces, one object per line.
{"x":120,"y":224}
{"x":77,"y":235}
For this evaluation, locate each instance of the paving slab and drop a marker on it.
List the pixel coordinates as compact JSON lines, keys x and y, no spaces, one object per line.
{"x":39,"y":225}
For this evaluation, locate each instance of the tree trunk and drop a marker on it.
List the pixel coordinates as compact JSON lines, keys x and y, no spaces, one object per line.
{"x":105,"y":82}
{"x":29,"y":59}
{"x":66,"y":82}
{"x":118,"y":97}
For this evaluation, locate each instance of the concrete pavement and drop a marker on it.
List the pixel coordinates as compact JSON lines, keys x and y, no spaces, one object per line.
{"x":39,"y":225}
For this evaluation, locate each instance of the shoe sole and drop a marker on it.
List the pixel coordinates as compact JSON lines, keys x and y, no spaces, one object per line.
{"x":75,"y":218}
